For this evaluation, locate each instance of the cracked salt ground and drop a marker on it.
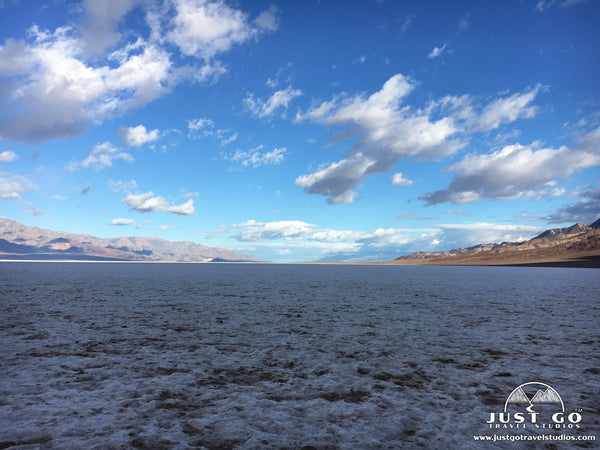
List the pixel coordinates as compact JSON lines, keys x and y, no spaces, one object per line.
{"x":273,"y":356}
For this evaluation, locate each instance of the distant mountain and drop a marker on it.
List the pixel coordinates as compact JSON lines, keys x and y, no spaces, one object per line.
{"x":578,"y":245}
{"x":453,"y":252}
{"x":18,"y":241}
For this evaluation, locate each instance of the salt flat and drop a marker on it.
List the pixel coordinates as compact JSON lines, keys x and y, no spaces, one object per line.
{"x":287,"y":356}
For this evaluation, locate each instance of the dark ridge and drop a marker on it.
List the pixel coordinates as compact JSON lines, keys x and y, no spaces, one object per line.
{"x":123,"y":249}
{"x":10,"y":247}
{"x":586,"y":262}
{"x":59,"y":241}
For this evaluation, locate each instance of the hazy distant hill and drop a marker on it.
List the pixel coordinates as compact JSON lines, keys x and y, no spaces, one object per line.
{"x":576,"y":245}
{"x":18,"y":241}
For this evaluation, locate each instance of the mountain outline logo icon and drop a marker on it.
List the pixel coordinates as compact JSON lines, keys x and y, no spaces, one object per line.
{"x":545,"y":394}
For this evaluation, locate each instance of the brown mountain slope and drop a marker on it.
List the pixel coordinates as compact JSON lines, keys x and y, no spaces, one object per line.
{"x":577,"y":246}
{"x":18,"y":241}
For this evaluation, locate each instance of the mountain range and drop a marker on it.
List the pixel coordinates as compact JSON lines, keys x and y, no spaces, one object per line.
{"x":577,"y":245}
{"x":18,"y":242}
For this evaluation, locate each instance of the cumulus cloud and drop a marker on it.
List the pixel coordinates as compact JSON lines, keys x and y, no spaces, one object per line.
{"x":122,"y":222}
{"x":399,"y":180}
{"x":137,"y":136}
{"x":148,"y":202}
{"x":56,"y":83}
{"x":101,"y":157}
{"x":309,"y":239}
{"x":380,"y":243}
{"x":255,"y":158}
{"x":53,"y":92}
{"x":203,"y":29}
{"x":279,"y":100}
{"x":516,"y":171}
{"x":386,"y":131}
{"x":253,"y":231}
{"x":7,"y":156}
{"x":13,"y":185}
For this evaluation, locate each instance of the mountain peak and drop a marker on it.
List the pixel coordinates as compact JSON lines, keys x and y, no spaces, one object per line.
{"x":578,"y":228}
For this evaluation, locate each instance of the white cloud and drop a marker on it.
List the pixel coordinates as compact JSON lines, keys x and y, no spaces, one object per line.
{"x":309,"y":239}
{"x":137,"y":136}
{"x":255,"y":159}
{"x":380,"y":243}
{"x":8,"y":156}
{"x":517,"y":171}
{"x":336,"y":180}
{"x":279,"y":100}
{"x":437,"y":51}
{"x":55,"y":83}
{"x":387,"y":131}
{"x":203,"y":127}
{"x":200,"y":123}
{"x":399,"y":180}
{"x":122,"y":222}
{"x":202,"y":28}
{"x":253,"y":231}
{"x":101,"y":157}
{"x":506,"y":110}
{"x":148,"y":202}
{"x":53,"y":92}
{"x":11,"y":186}
{"x":229,"y":140}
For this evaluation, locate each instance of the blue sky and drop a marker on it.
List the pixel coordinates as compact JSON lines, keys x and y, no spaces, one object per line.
{"x":299,"y":131}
